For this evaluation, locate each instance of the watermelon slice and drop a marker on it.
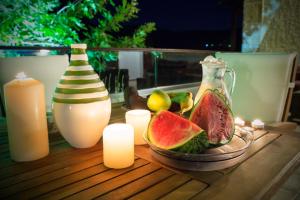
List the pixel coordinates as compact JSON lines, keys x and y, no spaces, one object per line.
{"x":173,"y":132}
{"x":213,"y":114}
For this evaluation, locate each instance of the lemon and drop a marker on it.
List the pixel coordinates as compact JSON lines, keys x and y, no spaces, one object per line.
{"x":159,"y":100}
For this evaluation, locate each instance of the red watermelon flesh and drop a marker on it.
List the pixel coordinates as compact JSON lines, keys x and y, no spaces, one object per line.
{"x":171,"y":131}
{"x":213,"y":115}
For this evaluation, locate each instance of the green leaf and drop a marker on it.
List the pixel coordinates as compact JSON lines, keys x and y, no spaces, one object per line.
{"x":52,"y":23}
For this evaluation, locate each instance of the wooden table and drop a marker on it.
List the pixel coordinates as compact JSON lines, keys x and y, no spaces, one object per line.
{"x":80,"y":174}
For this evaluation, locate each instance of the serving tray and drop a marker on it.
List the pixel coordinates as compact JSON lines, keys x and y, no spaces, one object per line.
{"x":212,"y":159}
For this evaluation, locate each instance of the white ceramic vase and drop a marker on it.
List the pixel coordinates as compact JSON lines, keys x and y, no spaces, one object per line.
{"x":82,"y":124}
{"x":81,"y":103}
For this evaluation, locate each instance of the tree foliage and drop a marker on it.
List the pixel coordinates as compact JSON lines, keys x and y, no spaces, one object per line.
{"x":52,"y":23}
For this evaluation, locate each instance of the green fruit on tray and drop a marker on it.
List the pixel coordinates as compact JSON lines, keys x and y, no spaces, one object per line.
{"x":158,"y":100}
{"x":181,"y":101}
{"x":172,"y":132}
{"x":213,"y":114}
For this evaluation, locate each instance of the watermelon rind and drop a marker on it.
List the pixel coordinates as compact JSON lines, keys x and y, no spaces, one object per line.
{"x":195,"y":145}
{"x":227,"y":106}
{"x":196,"y":141}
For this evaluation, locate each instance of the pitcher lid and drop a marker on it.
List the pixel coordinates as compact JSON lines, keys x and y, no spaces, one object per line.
{"x":212,"y":61}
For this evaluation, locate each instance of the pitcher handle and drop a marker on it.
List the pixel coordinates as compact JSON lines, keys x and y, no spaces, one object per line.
{"x":232,"y":76}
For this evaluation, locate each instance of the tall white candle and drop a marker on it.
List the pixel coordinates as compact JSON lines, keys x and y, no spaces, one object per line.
{"x":26,"y":118}
{"x":139,"y":119}
{"x":118,"y":146}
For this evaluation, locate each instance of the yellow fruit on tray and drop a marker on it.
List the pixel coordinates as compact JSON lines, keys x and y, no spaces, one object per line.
{"x":159,"y":100}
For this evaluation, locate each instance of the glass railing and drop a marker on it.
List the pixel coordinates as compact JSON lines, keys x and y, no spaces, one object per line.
{"x":119,"y":68}
{"x":146,"y":67}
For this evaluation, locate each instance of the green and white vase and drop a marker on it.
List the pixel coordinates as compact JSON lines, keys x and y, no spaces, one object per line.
{"x":81,"y":103}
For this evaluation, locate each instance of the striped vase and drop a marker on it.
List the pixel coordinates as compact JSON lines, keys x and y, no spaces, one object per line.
{"x":81,"y":104}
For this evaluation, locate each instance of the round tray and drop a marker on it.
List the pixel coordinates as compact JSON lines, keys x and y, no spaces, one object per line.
{"x":212,"y":159}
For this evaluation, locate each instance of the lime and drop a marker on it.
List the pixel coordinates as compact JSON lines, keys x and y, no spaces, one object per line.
{"x":181,"y":101}
{"x":159,"y":100}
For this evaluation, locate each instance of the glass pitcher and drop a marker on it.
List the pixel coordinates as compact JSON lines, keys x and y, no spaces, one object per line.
{"x":213,"y":72}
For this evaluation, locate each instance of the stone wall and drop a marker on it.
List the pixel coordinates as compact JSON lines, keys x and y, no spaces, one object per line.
{"x":271,"y":25}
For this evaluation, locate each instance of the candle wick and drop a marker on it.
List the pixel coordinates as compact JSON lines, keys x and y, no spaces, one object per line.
{"x":21,"y":76}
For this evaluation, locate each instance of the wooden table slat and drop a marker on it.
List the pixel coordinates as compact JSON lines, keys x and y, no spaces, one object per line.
{"x":276,"y":182}
{"x":186,"y":191}
{"x":17,"y":185}
{"x":103,"y":186}
{"x":82,"y":180}
{"x":207,"y":177}
{"x":255,"y":147}
{"x":259,"y":133}
{"x":138,"y":185}
{"x":80,"y":173}
{"x":255,"y":173}
{"x":163,"y":187}
{"x":50,"y":162}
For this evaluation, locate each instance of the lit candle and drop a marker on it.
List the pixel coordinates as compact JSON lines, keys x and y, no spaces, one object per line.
{"x":239,"y":122}
{"x":257,"y":124}
{"x":139,"y":119}
{"x":26,"y":118}
{"x":118,"y":145}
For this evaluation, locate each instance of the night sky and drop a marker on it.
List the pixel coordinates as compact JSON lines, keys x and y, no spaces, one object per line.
{"x":189,"y":24}
{"x":178,"y":15}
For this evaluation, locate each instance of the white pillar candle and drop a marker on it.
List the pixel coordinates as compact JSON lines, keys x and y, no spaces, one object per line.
{"x":26,"y":118}
{"x":118,"y":146}
{"x":257,"y":124}
{"x":139,"y":119}
{"x":239,"y":122}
